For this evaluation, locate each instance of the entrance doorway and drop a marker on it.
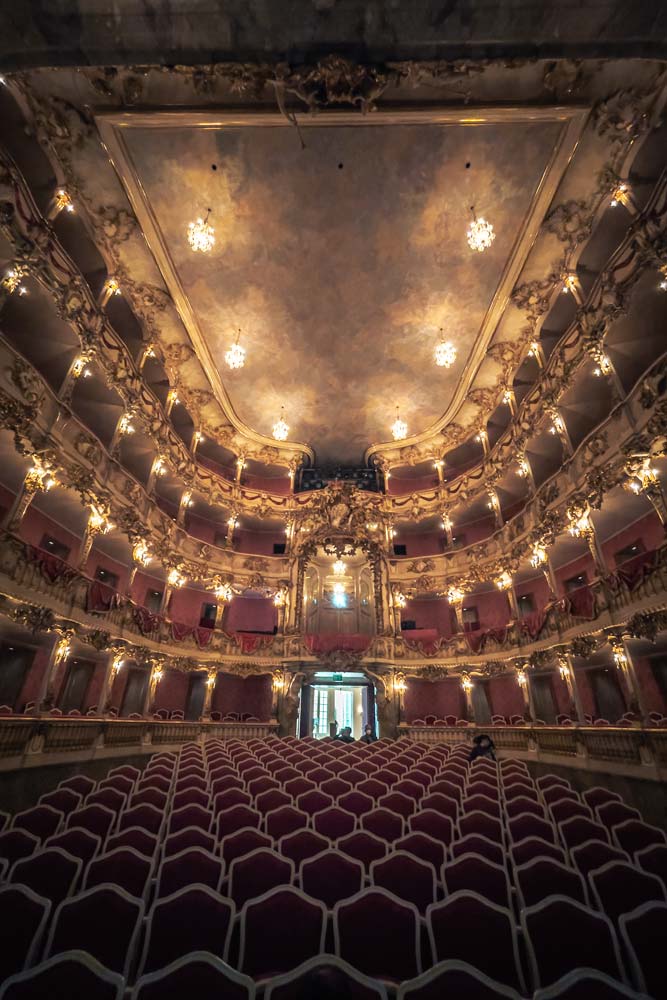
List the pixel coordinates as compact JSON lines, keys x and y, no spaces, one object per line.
{"x":333,"y":701}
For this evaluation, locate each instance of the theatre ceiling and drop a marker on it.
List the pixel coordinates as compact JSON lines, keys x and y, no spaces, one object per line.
{"x":340,"y":258}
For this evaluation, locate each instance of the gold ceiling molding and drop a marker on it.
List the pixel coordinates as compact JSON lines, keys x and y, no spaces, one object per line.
{"x":115,"y":125}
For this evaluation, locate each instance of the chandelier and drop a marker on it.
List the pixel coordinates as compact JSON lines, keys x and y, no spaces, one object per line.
{"x":399,"y":428}
{"x":445,"y":354}
{"x":235,"y":356}
{"x":480,"y":233}
{"x":280,"y":428}
{"x":201,"y":236}
{"x":339,"y":567}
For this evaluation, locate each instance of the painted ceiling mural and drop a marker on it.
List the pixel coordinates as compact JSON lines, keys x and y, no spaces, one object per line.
{"x":339,"y":262}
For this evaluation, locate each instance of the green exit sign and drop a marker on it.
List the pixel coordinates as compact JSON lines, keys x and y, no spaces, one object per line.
{"x":338,"y":677}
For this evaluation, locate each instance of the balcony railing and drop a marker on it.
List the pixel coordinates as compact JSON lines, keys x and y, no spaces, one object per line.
{"x":25,"y":739}
{"x":608,"y":746}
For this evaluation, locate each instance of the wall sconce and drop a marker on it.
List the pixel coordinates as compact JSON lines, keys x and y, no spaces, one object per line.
{"x":603,"y":366}
{"x":175,"y":578}
{"x":446,"y":522}
{"x":280,"y":597}
{"x":40,"y":478}
{"x":63,"y":201}
{"x":522,"y":677}
{"x":157,"y":674}
{"x":455,"y":595}
{"x":210,"y":680}
{"x":98,"y":524}
{"x":504,"y":581}
{"x":580,"y":524}
{"x":62,"y":650}
{"x":644,"y":478}
{"x":140,"y":553}
{"x":564,"y":669}
{"x":224,"y":592}
{"x":172,"y":397}
{"x":125,"y":425}
{"x":539,"y":555}
{"x":79,"y":367}
{"x":12,"y":281}
{"x":620,"y":195}
{"x":466,"y":683}
{"x":400,"y":686}
{"x":569,"y":283}
{"x":278,"y":681}
{"x":400,"y":600}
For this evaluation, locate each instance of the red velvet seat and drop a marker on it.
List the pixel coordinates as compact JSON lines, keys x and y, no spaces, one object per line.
{"x":242,"y":842}
{"x":191,"y":866}
{"x":544,"y":877}
{"x":585,"y":939}
{"x":383,"y":823}
{"x":279,"y":931}
{"x":237,"y":818}
{"x":424,"y":847}
{"x":454,"y":979}
{"x":331,"y":876}
{"x":619,"y":887}
{"x":198,"y":974}
{"x":123,"y":867}
{"x":256,"y":873}
{"x":73,"y":974}
{"x":378,"y":934}
{"x":191,"y":836}
{"x":302,"y":844}
{"x":454,"y":934}
{"x":50,"y":872}
{"x":193,"y":919}
{"x":363,"y":846}
{"x":644,"y":932}
{"x":279,"y":822}
{"x":15,"y":844}
{"x":325,"y":977}
{"x":406,"y":877}
{"x":41,"y":821}
{"x":23,"y":919}
{"x":77,"y":923}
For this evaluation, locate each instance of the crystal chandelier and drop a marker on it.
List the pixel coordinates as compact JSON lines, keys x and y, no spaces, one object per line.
{"x":280,"y":428}
{"x":339,"y":567}
{"x":480,"y":233}
{"x":235,"y":356}
{"x":201,"y":236}
{"x":445,"y":354}
{"x":399,"y":428}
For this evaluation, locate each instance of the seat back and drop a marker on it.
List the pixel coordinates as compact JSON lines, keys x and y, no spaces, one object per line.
{"x":453,"y":929}
{"x":331,"y":876}
{"x":192,"y":919}
{"x":279,"y":931}
{"x":585,"y":939}
{"x":23,"y":918}
{"x":74,"y":974}
{"x":644,"y":932}
{"x":378,"y":934}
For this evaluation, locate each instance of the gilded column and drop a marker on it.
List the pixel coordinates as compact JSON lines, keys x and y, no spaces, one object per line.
{"x":60,"y":652}
{"x":625,"y":664}
{"x":567,"y":673}
{"x":211,"y":679}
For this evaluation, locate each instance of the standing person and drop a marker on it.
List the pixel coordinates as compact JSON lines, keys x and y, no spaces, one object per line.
{"x":484,"y":747}
{"x":369,"y":736}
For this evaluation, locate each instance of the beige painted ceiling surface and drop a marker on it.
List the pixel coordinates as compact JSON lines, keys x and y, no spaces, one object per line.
{"x":340,"y":261}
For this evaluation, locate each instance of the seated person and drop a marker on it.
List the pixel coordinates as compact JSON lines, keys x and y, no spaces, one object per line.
{"x":484,"y":747}
{"x":369,"y":736}
{"x":345,"y":735}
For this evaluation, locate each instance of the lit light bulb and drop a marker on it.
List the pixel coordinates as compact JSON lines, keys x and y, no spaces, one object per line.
{"x":480,"y":234}
{"x":235,"y":356}
{"x":445,"y":354}
{"x":281,"y":428}
{"x":399,"y":428}
{"x":201,"y":236}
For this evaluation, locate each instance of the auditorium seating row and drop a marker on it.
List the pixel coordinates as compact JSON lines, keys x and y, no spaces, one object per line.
{"x":402,"y":859}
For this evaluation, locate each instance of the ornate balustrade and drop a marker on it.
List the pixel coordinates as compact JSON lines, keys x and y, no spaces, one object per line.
{"x":636,"y":750}
{"x":26,"y":741}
